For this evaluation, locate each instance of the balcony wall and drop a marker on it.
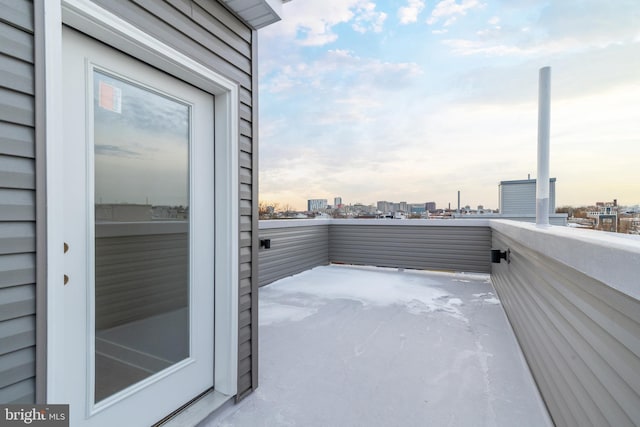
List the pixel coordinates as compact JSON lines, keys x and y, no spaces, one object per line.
{"x":572,"y":299}
{"x":141,"y":270}
{"x":571,"y":296}
{"x":419,"y":244}
{"x":298,"y":245}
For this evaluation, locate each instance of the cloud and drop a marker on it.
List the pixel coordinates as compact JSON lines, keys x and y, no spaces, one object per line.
{"x":367,"y":18}
{"x":593,"y":21}
{"x":544,"y":31}
{"x":369,"y":118}
{"x":573,"y":75}
{"x":409,"y":13}
{"x":340,"y":70}
{"x":436,"y":151}
{"x":448,"y":9}
{"x":312,"y":22}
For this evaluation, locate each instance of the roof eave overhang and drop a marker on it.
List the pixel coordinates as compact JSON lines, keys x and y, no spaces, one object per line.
{"x":256,"y":13}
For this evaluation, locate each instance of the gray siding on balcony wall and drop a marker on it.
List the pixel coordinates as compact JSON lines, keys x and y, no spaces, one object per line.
{"x":210,"y":34}
{"x":17,"y":203}
{"x":580,"y":336}
{"x":450,"y":248}
{"x":293,"y":250}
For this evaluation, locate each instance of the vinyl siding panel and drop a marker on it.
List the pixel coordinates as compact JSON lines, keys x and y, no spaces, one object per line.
{"x":17,"y":203}
{"x":296,"y":247}
{"x":452,"y":248}
{"x":16,"y":74}
{"x":292,"y":251}
{"x":16,"y":140}
{"x":580,"y":337}
{"x":15,"y":107}
{"x":17,"y":366}
{"x":210,"y":34}
{"x":194,"y":42}
{"x":19,"y":392}
{"x":18,"y":13}
{"x":17,"y":269}
{"x":17,"y":301}
{"x":17,"y":237}
{"x":16,"y":43}
{"x":17,"y":172}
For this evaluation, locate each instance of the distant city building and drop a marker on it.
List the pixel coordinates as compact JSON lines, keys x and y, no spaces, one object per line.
{"x":314,"y":205}
{"x":359,"y":209}
{"x":390,"y":207}
{"x":519,"y":197}
{"x":384,"y":206}
{"x":430,"y":206}
{"x":417,"y":208}
{"x":337,"y":202}
{"x":606,"y":216}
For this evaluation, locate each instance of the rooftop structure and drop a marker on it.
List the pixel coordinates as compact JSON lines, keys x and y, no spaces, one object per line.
{"x":519,"y":196}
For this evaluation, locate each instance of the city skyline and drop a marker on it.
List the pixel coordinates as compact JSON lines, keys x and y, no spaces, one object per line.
{"x":368,"y":99}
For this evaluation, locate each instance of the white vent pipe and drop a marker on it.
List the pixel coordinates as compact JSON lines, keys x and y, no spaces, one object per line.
{"x":542,"y":183}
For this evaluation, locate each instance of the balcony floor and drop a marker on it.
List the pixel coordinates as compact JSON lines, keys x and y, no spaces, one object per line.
{"x":365,"y":346}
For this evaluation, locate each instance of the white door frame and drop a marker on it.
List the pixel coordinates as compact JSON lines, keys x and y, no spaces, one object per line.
{"x":94,"y":21}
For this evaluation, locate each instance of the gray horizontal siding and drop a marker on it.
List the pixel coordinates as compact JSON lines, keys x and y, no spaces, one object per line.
{"x":16,"y":107}
{"x":17,"y":237}
{"x":17,"y":366}
{"x":19,"y":392}
{"x":17,"y":301}
{"x":296,"y":247}
{"x":15,"y":42}
{"x":580,"y":337}
{"x":17,"y":203}
{"x":17,"y":333}
{"x":422,"y":247}
{"x":17,"y":269}
{"x":18,"y":13}
{"x":169,"y":24}
{"x":16,"y":74}
{"x":292,"y":251}
{"x":16,"y":140}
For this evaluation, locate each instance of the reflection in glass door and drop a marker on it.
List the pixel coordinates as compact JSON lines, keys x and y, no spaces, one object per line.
{"x":141,"y":190}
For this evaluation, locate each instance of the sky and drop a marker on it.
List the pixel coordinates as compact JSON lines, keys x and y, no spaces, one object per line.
{"x":413,"y":100}
{"x":141,"y":145}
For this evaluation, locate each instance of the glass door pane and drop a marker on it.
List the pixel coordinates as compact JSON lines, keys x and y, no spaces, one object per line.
{"x":141,"y":190}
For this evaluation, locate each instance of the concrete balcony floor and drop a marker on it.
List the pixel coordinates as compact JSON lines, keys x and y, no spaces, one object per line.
{"x":365,"y":346}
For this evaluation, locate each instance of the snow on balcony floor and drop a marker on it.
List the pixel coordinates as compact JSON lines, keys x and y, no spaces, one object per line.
{"x":365,"y":346}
